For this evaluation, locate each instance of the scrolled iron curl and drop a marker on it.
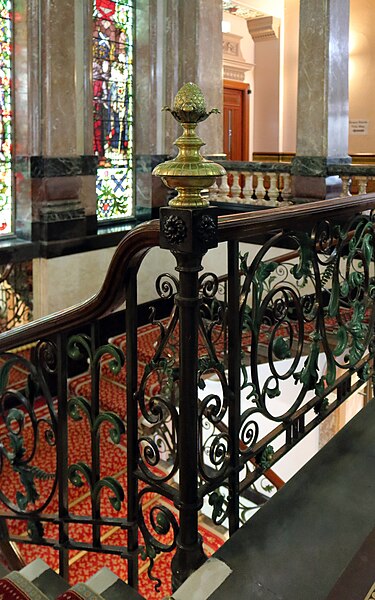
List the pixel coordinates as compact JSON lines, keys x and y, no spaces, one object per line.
{"x":166,"y":285}
{"x":208,"y":285}
{"x":248,"y":431}
{"x":162,"y":522}
{"x":21,"y":462}
{"x":219,"y":449}
{"x":149,"y":450}
{"x":323,"y":239}
{"x":213,"y":408}
{"x":50,"y":433}
{"x":149,"y":455}
{"x":79,"y":346}
{"x":46,"y":352}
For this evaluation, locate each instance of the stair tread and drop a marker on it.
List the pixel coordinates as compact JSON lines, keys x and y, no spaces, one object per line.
{"x":298,"y":545}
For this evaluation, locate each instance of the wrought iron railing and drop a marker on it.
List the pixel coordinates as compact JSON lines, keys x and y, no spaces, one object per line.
{"x":16,"y":294}
{"x":334,"y":241}
{"x":213,"y":387}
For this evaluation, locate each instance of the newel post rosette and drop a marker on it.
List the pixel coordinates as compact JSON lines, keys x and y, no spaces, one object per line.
{"x":188,"y":228}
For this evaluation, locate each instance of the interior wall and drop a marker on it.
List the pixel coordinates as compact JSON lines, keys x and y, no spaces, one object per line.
{"x":266,"y":95}
{"x":238,"y":26}
{"x":290,"y":76}
{"x":362,"y":74}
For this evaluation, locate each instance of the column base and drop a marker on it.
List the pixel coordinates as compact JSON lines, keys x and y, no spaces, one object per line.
{"x":186,"y":561}
{"x":308,"y":189}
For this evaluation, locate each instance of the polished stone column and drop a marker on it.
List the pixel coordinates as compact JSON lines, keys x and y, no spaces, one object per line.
{"x":54,"y":161}
{"x":176,"y":42}
{"x":323,"y":97}
{"x":194,"y":52}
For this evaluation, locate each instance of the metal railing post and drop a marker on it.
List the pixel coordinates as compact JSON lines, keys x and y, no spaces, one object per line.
{"x":188,"y":227}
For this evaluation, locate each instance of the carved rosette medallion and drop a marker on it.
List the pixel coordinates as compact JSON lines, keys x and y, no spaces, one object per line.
{"x":174,"y":229}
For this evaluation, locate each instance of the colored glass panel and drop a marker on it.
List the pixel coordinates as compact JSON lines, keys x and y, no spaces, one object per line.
{"x":113,"y":107}
{"x":6,"y":187}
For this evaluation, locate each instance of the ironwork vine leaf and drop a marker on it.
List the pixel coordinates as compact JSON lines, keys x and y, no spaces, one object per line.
{"x":358,"y":331}
{"x":247,"y":321}
{"x":281,"y":348}
{"x":364,"y":373}
{"x":309,"y":375}
{"x":367,"y":248}
{"x":331,"y":370}
{"x":356,"y":279}
{"x":27,"y":479}
{"x":342,"y":341}
{"x":303,"y":269}
{"x":217,"y":501}
{"x":333,"y":305}
{"x":243,"y":261}
{"x":344,"y":289}
{"x":272,"y":392}
{"x":264,"y":270}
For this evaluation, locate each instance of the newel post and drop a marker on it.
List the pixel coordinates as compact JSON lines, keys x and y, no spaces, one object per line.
{"x":188,"y":228}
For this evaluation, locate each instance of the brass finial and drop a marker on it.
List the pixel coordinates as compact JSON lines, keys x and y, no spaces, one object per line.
{"x":189,"y":173}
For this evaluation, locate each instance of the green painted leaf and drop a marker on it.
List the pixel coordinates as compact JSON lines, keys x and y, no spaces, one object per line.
{"x":281,"y":348}
{"x":342,"y":341}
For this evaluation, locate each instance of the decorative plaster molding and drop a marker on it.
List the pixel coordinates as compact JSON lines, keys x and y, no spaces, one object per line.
{"x":264,"y":28}
{"x":234,"y":63}
{"x":241,"y":10}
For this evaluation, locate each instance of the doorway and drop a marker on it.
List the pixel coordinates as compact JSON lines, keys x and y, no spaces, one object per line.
{"x":236,"y":120}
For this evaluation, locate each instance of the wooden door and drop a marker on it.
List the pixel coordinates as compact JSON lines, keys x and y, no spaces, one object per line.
{"x":236,"y":120}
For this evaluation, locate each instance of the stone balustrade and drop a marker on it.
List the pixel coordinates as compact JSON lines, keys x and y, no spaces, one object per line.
{"x":356,"y":179}
{"x":261,"y":184}
{"x":270,"y":184}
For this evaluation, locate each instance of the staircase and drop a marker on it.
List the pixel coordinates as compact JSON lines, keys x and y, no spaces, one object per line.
{"x":37,"y":581}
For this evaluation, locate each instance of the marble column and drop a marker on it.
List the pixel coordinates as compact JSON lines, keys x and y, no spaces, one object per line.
{"x":323,"y":99}
{"x":55,"y":166}
{"x":176,"y":42}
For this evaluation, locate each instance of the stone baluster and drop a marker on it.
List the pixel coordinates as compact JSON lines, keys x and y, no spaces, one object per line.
{"x":273,"y":192}
{"x":236,"y":188}
{"x":223,"y":193}
{"x":247,"y":190}
{"x":346,"y":181}
{"x":260,"y":191}
{"x":287,"y":190}
{"x":214,"y":191}
{"x":362,"y":185}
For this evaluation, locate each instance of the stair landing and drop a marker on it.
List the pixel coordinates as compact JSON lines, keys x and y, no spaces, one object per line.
{"x":309,"y":535}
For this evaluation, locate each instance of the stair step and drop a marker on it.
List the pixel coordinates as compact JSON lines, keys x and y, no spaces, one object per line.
{"x":38,"y":581}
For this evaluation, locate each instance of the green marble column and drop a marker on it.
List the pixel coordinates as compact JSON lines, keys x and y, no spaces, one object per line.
{"x":323,"y":96}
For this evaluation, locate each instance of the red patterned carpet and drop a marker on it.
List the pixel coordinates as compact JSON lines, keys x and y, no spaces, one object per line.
{"x":83,"y":564}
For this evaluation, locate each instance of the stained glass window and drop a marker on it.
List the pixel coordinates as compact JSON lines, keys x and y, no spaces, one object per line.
{"x":6,"y":188}
{"x":113,"y":107}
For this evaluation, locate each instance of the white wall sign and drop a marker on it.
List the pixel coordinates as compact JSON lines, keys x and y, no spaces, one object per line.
{"x":358,"y":127}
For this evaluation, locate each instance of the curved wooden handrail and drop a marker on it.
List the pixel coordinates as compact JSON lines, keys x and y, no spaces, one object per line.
{"x":128,"y":255}
{"x":132,"y":249}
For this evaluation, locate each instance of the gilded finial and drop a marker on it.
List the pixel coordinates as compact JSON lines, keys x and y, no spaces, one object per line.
{"x":189,"y":105}
{"x":189,"y":173}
